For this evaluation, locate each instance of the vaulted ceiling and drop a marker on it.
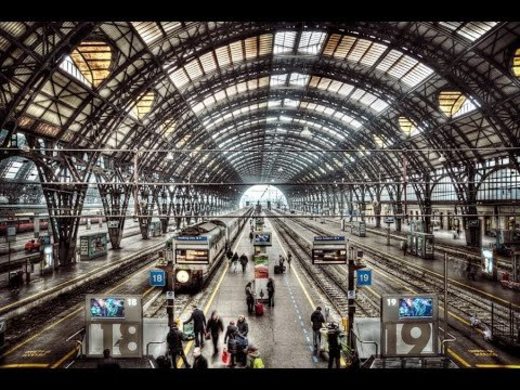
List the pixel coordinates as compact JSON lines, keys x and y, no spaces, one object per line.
{"x":251,"y":102}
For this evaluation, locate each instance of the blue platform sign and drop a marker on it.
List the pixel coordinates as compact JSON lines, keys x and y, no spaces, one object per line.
{"x":157,"y":278}
{"x":364,"y":277}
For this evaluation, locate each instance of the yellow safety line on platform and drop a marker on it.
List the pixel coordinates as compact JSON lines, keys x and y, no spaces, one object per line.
{"x":457,"y":357}
{"x":313,"y":306}
{"x":497,"y":365}
{"x":18,"y":346}
{"x":188,"y":346}
{"x":25,"y":365}
{"x":64,"y":358}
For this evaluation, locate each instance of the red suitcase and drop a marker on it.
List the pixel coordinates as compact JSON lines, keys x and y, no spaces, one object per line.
{"x":259,"y":309}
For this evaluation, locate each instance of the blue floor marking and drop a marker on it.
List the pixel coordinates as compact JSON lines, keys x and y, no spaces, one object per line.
{"x":309,"y":344}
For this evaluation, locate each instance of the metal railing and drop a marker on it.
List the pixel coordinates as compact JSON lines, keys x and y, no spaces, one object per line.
{"x":368,"y":342}
{"x":148,"y":350}
{"x":79,"y":344}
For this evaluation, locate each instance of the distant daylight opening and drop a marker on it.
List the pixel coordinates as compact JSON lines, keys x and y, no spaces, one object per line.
{"x":267,"y":195}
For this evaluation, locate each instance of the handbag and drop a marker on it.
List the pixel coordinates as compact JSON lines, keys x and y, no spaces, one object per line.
{"x":225,"y":357}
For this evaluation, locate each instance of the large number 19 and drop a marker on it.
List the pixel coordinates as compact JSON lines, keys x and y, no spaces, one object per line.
{"x":419,"y":343}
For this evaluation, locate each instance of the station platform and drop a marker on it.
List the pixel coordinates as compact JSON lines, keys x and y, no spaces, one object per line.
{"x":283,"y":335}
{"x":40,"y":285}
{"x":456,"y":269}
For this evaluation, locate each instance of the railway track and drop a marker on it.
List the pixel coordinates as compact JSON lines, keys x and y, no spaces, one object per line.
{"x":463,"y":300}
{"x":457,"y":252}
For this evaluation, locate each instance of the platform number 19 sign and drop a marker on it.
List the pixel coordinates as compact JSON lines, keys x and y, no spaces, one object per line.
{"x":409,"y":325}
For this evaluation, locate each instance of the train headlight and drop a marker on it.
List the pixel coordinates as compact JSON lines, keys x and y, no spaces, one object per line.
{"x":182,"y":276}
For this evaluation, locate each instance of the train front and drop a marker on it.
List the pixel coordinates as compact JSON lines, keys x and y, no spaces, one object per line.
{"x":191,"y":258}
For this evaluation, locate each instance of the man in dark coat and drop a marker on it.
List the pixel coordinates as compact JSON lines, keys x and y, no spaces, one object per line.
{"x":214,"y":327}
{"x":174,"y":340}
{"x":199,"y":361}
{"x":199,"y":325}
{"x":270,"y":292}
{"x":230,"y":339}
{"x":250,"y":299}
{"x":334,"y":347}
{"x":317,"y":320}
{"x":243,"y":262}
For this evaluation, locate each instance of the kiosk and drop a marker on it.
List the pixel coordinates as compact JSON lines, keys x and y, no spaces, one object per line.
{"x":93,"y":245}
{"x":155,"y":229}
{"x":358,"y":228}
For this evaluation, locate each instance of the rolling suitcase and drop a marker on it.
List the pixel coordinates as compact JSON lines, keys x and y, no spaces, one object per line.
{"x":259,"y":308}
{"x":277,"y":269}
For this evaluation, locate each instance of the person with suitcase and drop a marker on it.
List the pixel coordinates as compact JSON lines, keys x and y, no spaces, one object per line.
{"x":230,"y":339}
{"x":174,"y":340}
{"x":250,"y":299}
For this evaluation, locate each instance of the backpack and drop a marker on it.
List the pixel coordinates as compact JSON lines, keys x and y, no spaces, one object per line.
{"x":257,"y":363}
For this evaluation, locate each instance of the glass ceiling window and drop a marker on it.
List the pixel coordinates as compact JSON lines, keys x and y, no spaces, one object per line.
{"x":311,"y":42}
{"x":349,"y":92}
{"x":469,"y":30}
{"x":236,"y":52}
{"x":454,"y":104}
{"x":368,"y":53}
{"x":151,"y":32}
{"x":13,"y":169}
{"x":70,"y":67}
{"x":284,"y":42}
{"x":516,"y":63}
{"x":93,"y":60}
{"x":298,"y":79}
{"x":144,"y":104}
{"x":408,"y":127}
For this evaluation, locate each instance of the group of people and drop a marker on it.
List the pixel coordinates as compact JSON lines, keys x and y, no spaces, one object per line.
{"x":281,"y":261}
{"x":235,"y":340}
{"x":233,"y":257}
{"x":250,"y":295}
{"x":333,"y":339}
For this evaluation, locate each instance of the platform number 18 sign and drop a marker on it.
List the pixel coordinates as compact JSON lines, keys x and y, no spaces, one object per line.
{"x":157,"y":278}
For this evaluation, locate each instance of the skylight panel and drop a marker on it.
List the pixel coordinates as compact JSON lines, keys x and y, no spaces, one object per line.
{"x":278,"y":79}
{"x":344,"y":47}
{"x":373,"y":54}
{"x":251,"y":48}
{"x":237,"y":53}
{"x":291,"y":103}
{"x":223,"y":57}
{"x":417,"y":75}
{"x":403,"y":65}
{"x":389,"y":60}
{"x":266,"y":44}
{"x":179,"y":78}
{"x":299,"y":79}
{"x":148,"y":31}
{"x":193,"y":69}
{"x":208,"y":62}
{"x":284,"y":42}
{"x":311,"y":42}
{"x":359,"y":49}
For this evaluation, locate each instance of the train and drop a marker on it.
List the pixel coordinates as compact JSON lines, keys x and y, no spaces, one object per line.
{"x":24,"y":222}
{"x":200,"y":248}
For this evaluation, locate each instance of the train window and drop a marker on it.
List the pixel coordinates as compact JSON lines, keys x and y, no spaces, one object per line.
{"x":191,"y":256}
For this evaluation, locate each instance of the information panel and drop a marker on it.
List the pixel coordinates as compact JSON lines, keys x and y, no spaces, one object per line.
{"x":114,"y":322}
{"x":262,"y":239}
{"x":409,"y":325}
{"x":329,"y":250}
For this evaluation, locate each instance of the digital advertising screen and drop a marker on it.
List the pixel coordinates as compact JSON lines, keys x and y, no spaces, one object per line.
{"x":111,"y":308}
{"x":329,"y":256}
{"x":415,"y":307}
{"x":197,"y":256}
{"x":263,"y":239}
